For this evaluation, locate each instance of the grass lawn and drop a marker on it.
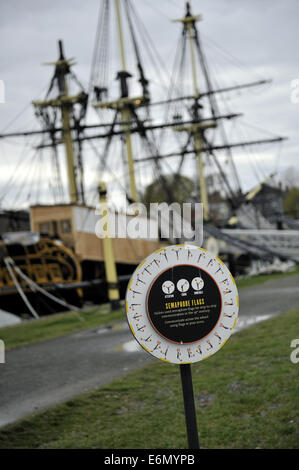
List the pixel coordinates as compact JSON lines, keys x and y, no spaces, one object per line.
{"x":247,"y":396}
{"x":53,"y":326}
{"x":61,"y":324}
{"x":262,"y":278}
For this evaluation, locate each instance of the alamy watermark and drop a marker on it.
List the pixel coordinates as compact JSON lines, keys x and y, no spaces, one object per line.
{"x":2,"y":352}
{"x":294,"y":356}
{"x":295,"y":91}
{"x":174,"y":221}
{"x":2,"y":91}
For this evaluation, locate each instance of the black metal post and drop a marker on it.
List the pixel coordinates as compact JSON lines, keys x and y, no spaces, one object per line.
{"x":189,"y":406}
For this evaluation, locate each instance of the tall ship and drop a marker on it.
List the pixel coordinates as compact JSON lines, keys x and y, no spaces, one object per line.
{"x":114,"y":143}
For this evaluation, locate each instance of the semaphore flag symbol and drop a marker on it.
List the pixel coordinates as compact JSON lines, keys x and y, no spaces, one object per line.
{"x":2,"y":352}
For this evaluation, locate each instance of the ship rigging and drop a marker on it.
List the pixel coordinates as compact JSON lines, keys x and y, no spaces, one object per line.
{"x":182,"y":133}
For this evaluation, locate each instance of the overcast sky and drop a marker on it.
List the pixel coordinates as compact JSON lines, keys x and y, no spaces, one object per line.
{"x":244,"y":40}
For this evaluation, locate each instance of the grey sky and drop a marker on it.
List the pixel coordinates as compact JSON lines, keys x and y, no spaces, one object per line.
{"x":243,"y":40}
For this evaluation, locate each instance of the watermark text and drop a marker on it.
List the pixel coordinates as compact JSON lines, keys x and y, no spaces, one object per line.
{"x":295,"y":91}
{"x":2,"y":91}
{"x":294,"y":356}
{"x":2,"y":352}
{"x":154,"y":221}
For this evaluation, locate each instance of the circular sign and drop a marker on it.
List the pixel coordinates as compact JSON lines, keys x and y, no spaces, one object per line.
{"x":182,"y":304}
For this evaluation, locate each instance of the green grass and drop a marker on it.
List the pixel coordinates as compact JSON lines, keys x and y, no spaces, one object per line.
{"x":262,"y":278}
{"x":66,"y":323}
{"x":57,"y":325}
{"x":246,"y":396}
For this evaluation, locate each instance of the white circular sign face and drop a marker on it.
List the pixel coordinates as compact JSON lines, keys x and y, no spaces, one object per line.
{"x":182,"y":304}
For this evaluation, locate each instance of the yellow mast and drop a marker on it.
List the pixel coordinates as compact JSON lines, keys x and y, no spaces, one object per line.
{"x":109,"y":260}
{"x":123,"y":105}
{"x":64,"y":102}
{"x":196,"y":129}
{"x":125,"y":111}
{"x":68,"y":142}
{"x":120,"y":34}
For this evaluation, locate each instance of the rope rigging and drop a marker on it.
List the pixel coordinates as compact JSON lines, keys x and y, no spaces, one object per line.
{"x":34,"y":287}
{"x":177,"y":107}
{"x":137,"y":135}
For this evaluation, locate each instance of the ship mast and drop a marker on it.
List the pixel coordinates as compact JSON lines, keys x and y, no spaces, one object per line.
{"x":67,"y":136}
{"x":65,"y":102}
{"x":72,"y":131}
{"x":197,"y":128}
{"x":125,"y":111}
{"x":124,"y":105}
